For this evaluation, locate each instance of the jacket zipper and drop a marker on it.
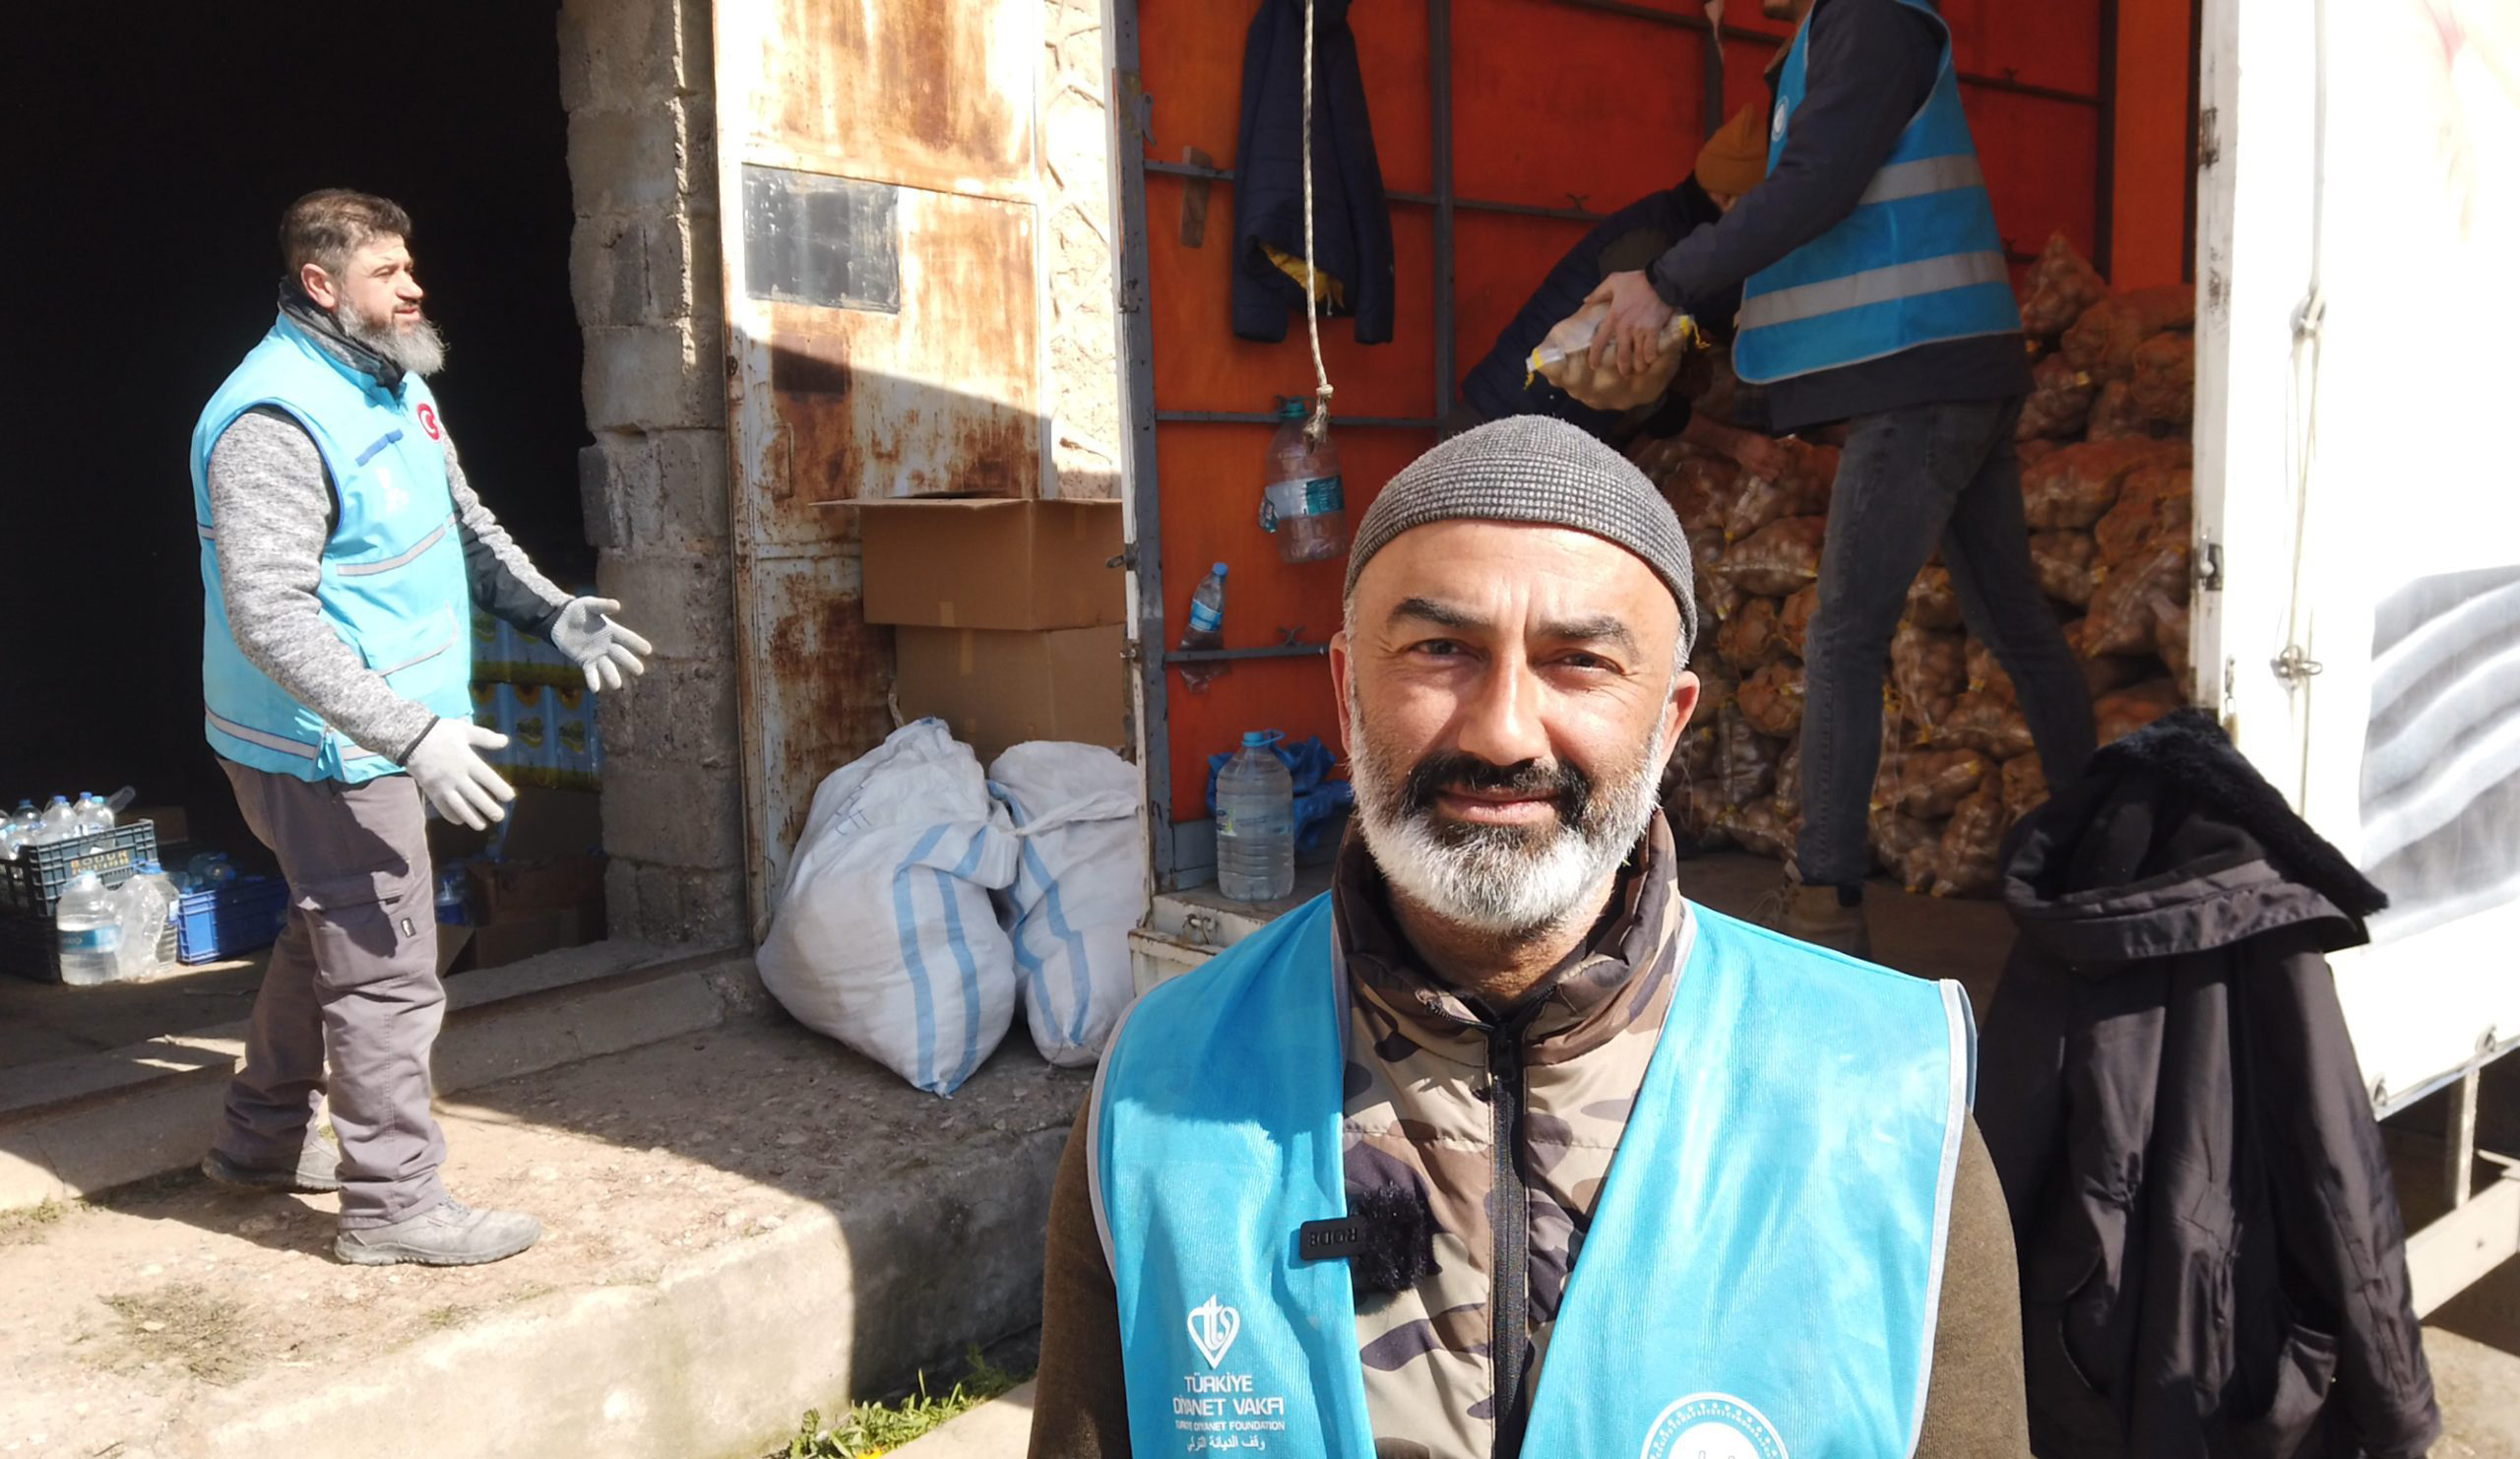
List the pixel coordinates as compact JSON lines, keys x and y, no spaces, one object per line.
{"x":1510,"y":1291}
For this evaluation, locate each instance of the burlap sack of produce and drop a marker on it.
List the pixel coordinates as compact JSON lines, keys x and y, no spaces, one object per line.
{"x":1936,"y":782}
{"x":2126,"y":610}
{"x":1718,"y":596}
{"x":2156,"y":503}
{"x":1931,"y":603}
{"x":2104,"y":674}
{"x":1564,"y":360}
{"x":1697,"y":813}
{"x":1909,"y":849}
{"x":2059,"y":402}
{"x":2065,"y":562}
{"x":1788,"y":781}
{"x":2123,"y":713}
{"x":1744,"y":760}
{"x":1932,"y":670}
{"x":1713,"y":391}
{"x":2162,"y":387}
{"x":1772,"y":700}
{"x":1763,"y":829}
{"x":1693,"y":758}
{"x":2031,"y":453}
{"x":2025,"y":785}
{"x":2113,"y":417}
{"x":2074,"y":488}
{"x":2103,"y":340}
{"x":1990,"y":726}
{"x":2171,"y":641}
{"x":1656,"y":456}
{"x":1986,"y":676}
{"x":1800,"y":490}
{"x":1780,"y":558}
{"x":1793,"y":620}
{"x":1753,"y":636}
{"x":1701,"y":488}
{"x":1973,"y":844}
{"x":2060,"y":285}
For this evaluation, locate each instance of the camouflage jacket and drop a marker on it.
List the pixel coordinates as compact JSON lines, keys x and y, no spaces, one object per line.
{"x":1420,"y":1112}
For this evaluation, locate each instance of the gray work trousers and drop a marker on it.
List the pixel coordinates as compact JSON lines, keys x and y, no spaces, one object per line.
{"x":354,"y":984}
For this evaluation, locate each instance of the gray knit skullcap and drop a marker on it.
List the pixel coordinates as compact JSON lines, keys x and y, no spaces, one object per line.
{"x":1539,"y":469}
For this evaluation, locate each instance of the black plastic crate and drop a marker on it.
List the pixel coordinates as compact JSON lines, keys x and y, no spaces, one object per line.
{"x":31,"y":884}
{"x":30,"y":948}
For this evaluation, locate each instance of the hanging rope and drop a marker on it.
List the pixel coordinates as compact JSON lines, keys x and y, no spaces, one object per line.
{"x":1320,"y":425}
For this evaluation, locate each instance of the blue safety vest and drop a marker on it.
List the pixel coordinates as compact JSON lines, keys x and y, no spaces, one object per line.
{"x":1760,"y":1276}
{"x":391,"y":580}
{"x":1916,"y":262}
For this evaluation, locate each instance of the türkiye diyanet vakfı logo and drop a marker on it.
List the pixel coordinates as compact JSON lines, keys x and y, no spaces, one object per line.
{"x":1221,"y":1409}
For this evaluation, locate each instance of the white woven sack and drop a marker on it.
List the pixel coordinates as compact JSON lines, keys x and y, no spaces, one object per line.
{"x":1080,"y":885}
{"x":886,"y":937}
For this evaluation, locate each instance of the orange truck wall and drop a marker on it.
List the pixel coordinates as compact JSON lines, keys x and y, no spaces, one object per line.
{"x":1553,"y":106}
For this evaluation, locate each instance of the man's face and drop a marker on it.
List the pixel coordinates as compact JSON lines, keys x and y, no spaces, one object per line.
{"x":1511,"y":700}
{"x":377,"y":291}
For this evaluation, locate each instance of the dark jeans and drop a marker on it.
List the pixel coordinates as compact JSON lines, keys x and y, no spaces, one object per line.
{"x":1910,"y":480}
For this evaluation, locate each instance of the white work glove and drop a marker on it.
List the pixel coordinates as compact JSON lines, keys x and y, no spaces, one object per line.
{"x":448,"y":765}
{"x":595,"y":643}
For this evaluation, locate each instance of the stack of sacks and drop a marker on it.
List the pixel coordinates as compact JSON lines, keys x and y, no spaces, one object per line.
{"x":2106,"y":490}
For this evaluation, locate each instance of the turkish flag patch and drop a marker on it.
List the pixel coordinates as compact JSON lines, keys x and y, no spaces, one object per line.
{"x":428,"y":421}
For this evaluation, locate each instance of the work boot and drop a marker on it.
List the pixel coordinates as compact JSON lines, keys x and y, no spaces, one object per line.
{"x":1817,"y":914}
{"x":446,"y":1234}
{"x":316,"y":1173}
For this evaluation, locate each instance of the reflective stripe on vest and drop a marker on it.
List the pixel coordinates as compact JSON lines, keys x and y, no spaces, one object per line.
{"x":391,"y":580}
{"x":1918,"y":261}
{"x":1800,"y":1120}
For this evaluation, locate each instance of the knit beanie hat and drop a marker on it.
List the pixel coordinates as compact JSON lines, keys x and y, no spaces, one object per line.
{"x":1542,"y":471}
{"x":1735,"y":159}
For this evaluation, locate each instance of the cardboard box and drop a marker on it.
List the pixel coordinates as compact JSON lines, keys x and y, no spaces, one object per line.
{"x":504,"y":891}
{"x":997,"y":689}
{"x":499,"y":943}
{"x":992,"y":564}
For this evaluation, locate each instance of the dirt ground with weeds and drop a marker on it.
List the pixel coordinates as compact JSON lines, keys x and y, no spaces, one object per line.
{"x":122,"y":1309}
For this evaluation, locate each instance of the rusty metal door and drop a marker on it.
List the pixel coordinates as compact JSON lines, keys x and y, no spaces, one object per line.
{"x":879,"y":191}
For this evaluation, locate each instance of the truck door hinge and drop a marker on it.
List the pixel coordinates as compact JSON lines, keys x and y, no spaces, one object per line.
{"x":2209,"y":568}
{"x":2296,"y":667}
{"x":2209,"y":137}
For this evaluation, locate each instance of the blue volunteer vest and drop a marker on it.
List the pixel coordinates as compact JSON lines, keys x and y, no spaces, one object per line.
{"x":392,"y":580}
{"x":1918,"y":261}
{"x":1762,"y":1270}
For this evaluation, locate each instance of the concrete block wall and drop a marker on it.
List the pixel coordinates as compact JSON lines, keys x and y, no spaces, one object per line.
{"x":636,"y":79}
{"x":1082,"y":331}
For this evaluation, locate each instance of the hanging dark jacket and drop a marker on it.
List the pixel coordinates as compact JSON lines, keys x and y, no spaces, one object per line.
{"x":1352,"y":221}
{"x":2212,"y":1257}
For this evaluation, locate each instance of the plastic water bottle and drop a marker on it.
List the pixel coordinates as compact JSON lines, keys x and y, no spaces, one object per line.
{"x":1256,"y":823}
{"x":1206,"y":630}
{"x":57,"y":823}
{"x":144,"y":904}
{"x":1304,"y":502}
{"x":89,"y":926}
{"x":92,"y":814}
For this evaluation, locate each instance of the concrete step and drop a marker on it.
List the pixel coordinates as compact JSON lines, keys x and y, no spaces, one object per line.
{"x":744,"y":1222}
{"x":1000,"y":1429}
{"x":75,"y":1126}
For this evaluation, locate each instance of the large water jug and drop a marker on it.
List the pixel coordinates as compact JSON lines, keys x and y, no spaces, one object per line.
{"x":144,"y":904}
{"x":89,"y":925}
{"x":1256,"y":822}
{"x":92,"y":814}
{"x":57,"y":823}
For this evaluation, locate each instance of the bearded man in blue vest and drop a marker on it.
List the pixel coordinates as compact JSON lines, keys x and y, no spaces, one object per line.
{"x":342,"y":554}
{"x":1875,"y":291}
{"x":1504,"y":1146}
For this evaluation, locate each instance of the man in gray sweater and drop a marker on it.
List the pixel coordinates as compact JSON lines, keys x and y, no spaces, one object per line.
{"x":342,"y":554}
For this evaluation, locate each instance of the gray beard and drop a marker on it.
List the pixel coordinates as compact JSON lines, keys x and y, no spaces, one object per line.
{"x":1493,"y":880}
{"x":420,"y":350}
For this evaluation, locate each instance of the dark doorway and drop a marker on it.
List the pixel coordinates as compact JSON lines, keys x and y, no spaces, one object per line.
{"x":152,"y":150}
